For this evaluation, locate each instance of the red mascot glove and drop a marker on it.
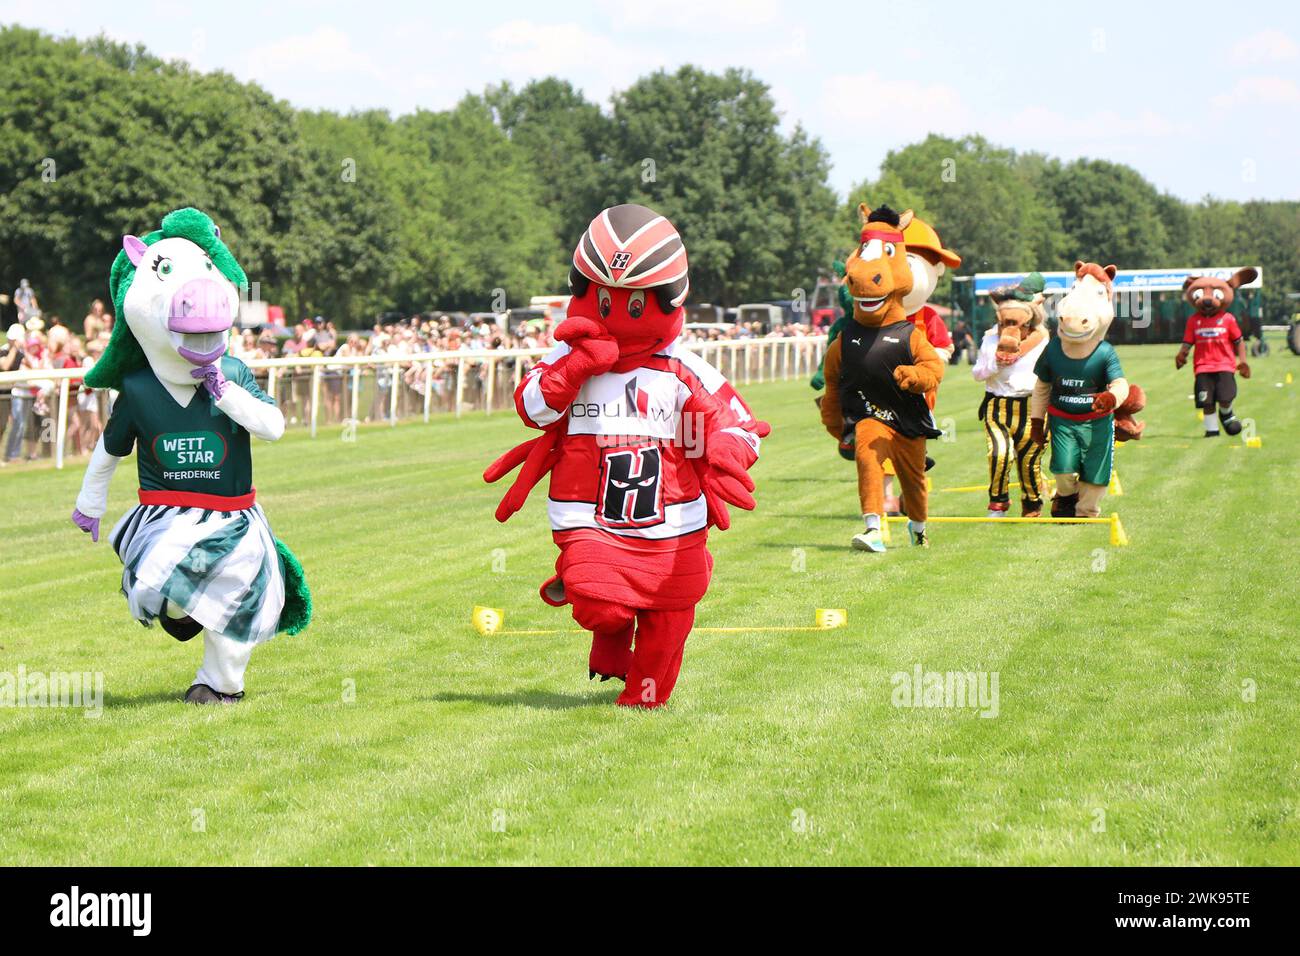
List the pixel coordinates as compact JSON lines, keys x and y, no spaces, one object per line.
{"x":725,"y":476}
{"x":1104,"y":402}
{"x":1243,"y":369}
{"x":1038,"y":431}
{"x":592,"y":351}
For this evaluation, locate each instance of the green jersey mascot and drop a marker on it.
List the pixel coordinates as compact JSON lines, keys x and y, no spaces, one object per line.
{"x":1082,"y":387}
{"x":197,"y":551}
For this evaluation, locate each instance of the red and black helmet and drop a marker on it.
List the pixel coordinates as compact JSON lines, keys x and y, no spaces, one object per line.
{"x":632,"y":247}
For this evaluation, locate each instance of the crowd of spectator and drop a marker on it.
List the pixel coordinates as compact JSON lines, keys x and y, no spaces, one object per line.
{"x":35,"y":343}
{"x":38,"y":341}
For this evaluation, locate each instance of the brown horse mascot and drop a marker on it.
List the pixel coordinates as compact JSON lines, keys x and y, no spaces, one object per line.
{"x":877,"y":374}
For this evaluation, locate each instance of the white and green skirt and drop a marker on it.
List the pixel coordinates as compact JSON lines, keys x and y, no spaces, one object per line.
{"x":222,"y":567}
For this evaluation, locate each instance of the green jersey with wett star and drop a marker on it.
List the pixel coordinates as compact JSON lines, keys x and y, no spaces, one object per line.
{"x":187,"y":448}
{"x":1075,"y":382}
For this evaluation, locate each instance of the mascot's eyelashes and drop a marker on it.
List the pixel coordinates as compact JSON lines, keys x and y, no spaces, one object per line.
{"x":162,"y":267}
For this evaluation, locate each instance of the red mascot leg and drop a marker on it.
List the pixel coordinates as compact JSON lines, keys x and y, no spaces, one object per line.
{"x":611,"y":627}
{"x":657,"y":657}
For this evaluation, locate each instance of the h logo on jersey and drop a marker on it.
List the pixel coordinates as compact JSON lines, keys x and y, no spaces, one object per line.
{"x":631,"y":494}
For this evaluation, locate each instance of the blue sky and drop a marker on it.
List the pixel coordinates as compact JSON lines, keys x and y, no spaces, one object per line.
{"x":1202,"y":98}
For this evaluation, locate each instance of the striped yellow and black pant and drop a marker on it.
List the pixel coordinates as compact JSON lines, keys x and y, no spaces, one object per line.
{"x":1006,"y":425}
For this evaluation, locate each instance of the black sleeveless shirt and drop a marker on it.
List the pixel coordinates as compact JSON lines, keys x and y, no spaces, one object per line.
{"x":868,"y":357}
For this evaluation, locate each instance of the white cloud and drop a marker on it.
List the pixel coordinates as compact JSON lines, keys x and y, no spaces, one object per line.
{"x":324,"y":50}
{"x":1267,"y":46}
{"x":898,"y":110}
{"x":596,"y":63}
{"x":1258,"y":91}
{"x":1041,"y":125}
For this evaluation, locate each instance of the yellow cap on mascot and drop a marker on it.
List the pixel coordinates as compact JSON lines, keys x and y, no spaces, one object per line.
{"x":921,"y":235}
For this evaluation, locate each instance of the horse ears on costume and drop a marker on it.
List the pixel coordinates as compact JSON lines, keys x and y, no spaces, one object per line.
{"x":1188,"y":281}
{"x":1078,"y":268}
{"x":134,"y":248}
{"x":905,"y":218}
{"x":1242,"y":276}
{"x":865,"y":212}
{"x":1111,"y":271}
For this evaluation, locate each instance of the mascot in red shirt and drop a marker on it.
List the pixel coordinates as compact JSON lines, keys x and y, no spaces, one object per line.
{"x":1220,"y":349}
{"x":646,"y":445}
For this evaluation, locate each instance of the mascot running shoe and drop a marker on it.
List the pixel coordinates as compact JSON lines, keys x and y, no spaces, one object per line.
{"x":197,"y":551}
{"x":646,"y":445}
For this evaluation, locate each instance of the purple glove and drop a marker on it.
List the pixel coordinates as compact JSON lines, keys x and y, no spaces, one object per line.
{"x":89,"y":525}
{"x":212,"y":379}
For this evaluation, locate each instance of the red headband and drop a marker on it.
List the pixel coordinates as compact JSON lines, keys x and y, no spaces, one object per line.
{"x":886,"y":234}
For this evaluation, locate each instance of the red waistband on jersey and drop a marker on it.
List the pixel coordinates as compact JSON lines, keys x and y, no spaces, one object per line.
{"x":1071,"y":416}
{"x":195,"y":499}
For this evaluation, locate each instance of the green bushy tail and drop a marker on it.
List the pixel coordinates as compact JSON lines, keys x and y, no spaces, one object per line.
{"x":296,"y":614}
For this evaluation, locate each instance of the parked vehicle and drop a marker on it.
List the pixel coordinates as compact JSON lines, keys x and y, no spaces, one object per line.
{"x":705,"y":312}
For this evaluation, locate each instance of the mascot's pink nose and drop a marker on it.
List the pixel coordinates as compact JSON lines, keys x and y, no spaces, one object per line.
{"x":200,"y":305}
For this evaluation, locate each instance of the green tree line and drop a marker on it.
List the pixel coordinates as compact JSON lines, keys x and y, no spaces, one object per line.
{"x":352,"y":215}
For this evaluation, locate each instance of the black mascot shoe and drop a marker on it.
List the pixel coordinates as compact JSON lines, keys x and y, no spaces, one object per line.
{"x":929,"y":462}
{"x":203,"y":694}
{"x":181,"y":628}
{"x":1063,"y":505}
{"x":1231,"y":425}
{"x":592,"y":675}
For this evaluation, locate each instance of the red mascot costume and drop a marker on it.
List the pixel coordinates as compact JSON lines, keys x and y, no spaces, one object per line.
{"x":646,"y":445}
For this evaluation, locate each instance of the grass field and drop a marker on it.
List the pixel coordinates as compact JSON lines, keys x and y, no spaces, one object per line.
{"x":1147,"y":709}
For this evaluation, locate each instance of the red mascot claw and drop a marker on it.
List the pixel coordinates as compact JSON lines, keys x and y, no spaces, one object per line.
{"x":580,"y":327}
{"x":622,"y":407}
{"x":1128,"y":428}
{"x":725,"y":477}
{"x":1103,"y":402}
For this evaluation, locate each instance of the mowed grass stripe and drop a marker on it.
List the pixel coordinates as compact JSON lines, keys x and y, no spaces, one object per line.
{"x":1120,"y":690}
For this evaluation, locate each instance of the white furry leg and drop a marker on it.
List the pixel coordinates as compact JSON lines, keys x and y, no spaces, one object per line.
{"x":224,"y":663}
{"x":1090,"y":496}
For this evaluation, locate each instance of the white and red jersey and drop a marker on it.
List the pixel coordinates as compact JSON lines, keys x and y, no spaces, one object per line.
{"x":627,"y":463}
{"x":1214,"y":339}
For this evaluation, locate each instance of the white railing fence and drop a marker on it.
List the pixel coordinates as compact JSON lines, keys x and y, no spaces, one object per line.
{"x":323,"y":392}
